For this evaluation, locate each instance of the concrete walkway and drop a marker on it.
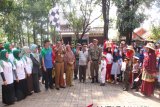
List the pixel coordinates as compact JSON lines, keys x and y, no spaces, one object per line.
{"x":82,"y":95}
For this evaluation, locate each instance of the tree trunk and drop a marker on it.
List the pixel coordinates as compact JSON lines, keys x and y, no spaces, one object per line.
{"x":105,"y":10}
{"x":128,"y":30}
{"x":28,"y":34}
{"x":130,"y":36}
{"x":34,"y":35}
{"x":34,"y":31}
{"x":41,"y":35}
{"x":47,"y":29}
{"x":20,"y":42}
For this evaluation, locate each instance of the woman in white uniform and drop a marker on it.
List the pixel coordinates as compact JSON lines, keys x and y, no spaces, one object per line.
{"x":21,"y":89}
{"x":8,"y":47}
{"x":28,"y":68}
{"x":8,"y":92}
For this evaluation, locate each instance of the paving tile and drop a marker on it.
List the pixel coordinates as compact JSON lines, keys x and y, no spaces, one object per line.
{"x":82,"y":95}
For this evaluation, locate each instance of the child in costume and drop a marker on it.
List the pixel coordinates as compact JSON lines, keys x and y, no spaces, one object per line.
{"x":102,"y":70}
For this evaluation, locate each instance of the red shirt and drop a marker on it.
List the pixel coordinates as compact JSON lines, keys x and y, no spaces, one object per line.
{"x":149,"y":62}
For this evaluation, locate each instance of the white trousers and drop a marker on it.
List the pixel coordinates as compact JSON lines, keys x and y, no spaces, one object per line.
{"x":103,"y":76}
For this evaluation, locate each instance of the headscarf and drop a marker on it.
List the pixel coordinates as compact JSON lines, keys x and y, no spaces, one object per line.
{"x":33,"y":47}
{"x":35,"y":55}
{"x":25,"y":51}
{"x":7,"y":47}
{"x":116,"y":56}
{"x":68,"y":48}
{"x":16,"y":53}
{"x":3,"y":55}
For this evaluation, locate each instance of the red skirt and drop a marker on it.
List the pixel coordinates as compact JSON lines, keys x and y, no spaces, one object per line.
{"x":108,"y":72}
{"x":147,"y":88}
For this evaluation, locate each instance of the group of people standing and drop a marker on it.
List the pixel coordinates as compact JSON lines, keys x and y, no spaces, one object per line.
{"x":21,"y":69}
{"x":137,"y":68}
{"x":18,"y":72}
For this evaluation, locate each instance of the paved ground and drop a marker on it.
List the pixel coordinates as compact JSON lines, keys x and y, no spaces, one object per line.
{"x":82,"y":95}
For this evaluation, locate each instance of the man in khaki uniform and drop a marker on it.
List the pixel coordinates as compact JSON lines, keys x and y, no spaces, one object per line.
{"x":95,"y":59}
{"x":59,"y":66}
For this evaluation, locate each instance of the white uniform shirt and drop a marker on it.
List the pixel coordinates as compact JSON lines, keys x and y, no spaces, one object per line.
{"x":11,"y":57}
{"x":28,"y":64}
{"x":103,"y":65}
{"x":123,"y":68}
{"x":109,"y":58}
{"x":7,"y":70}
{"x":83,"y":58}
{"x":19,"y":67}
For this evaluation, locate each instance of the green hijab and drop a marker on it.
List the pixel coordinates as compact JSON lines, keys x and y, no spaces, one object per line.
{"x":7,"y":47}
{"x":3,"y":55}
{"x":16,"y":53}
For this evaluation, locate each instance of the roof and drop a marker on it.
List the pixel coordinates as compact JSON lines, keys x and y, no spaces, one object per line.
{"x":138,"y":32}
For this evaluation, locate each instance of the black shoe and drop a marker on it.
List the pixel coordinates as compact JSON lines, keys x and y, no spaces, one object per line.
{"x":30,"y":93}
{"x":15,"y":99}
{"x":46,"y":89}
{"x":37,"y":91}
{"x":57,"y":88}
{"x":51,"y":87}
{"x":102,"y":84}
{"x":92,"y":81}
{"x":43,"y":82}
{"x":62,"y":87}
{"x":75,"y":78}
{"x":97,"y":80}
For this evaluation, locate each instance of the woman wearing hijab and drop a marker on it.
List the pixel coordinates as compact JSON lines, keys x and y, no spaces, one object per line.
{"x":21,"y":85}
{"x":8,"y":47}
{"x":149,"y":70}
{"x":8,"y":92}
{"x":28,"y":67}
{"x":69,"y":62}
{"x":36,"y":67}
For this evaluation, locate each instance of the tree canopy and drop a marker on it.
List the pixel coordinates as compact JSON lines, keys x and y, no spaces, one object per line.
{"x":129,"y":16}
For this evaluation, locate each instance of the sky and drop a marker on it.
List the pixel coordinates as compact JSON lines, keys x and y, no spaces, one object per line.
{"x":152,"y":13}
{"x":153,"y":17}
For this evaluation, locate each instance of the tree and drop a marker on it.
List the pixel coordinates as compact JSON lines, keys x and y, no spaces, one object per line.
{"x":21,"y":14}
{"x":155,"y":32}
{"x":79,"y":15}
{"x":105,"y":11}
{"x":128,"y":16}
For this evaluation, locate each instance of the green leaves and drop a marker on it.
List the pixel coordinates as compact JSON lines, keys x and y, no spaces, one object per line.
{"x":20,"y":18}
{"x":78,"y":15}
{"x":128,"y":16}
{"x":156,"y":32}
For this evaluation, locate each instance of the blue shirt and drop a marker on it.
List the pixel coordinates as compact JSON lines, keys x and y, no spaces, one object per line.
{"x":47,"y":55}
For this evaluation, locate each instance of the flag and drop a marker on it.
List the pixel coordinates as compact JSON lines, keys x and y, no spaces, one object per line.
{"x":54,"y":17}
